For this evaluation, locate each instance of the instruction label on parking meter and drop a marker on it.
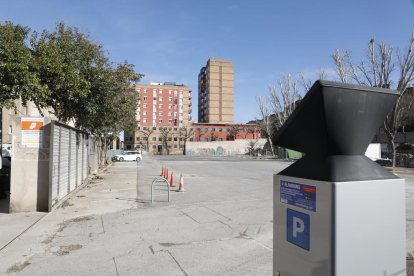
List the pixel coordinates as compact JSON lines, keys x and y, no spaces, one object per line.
{"x":299,"y":195}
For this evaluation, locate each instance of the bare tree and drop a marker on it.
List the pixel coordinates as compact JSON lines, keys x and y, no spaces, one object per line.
{"x":252,"y":146}
{"x":234,"y":132}
{"x":213,"y":136}
{"x":146,"y":131}
{"x":266,"y":120}
{"x":166,"y":133}
{"x":284,"y":98}
{"x":377,"y":70}
{"x":185,"y":134}
{"x":200,"y":132}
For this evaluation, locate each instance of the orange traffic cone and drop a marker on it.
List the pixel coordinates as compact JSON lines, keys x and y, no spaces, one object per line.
{"x":172,"y":180}
{"x":181,"y":186}
{"x":166,"y":175}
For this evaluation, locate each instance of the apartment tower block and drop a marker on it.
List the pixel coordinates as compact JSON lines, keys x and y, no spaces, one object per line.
{"x":216,"y":92}
{"x":161,"y":106}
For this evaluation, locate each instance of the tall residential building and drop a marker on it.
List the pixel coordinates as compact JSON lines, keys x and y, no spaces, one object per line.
{"x":216,"y":92}
{"x":161,"y":107}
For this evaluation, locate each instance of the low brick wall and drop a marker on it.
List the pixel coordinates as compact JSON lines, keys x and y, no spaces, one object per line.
{"x":220,"y":148}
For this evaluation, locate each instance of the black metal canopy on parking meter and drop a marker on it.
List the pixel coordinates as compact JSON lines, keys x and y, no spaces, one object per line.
{"x":333,"y":125}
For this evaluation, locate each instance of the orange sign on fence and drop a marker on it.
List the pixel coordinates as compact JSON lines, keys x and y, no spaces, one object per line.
{"x":32,"y":132}
{"x":32,"y":125}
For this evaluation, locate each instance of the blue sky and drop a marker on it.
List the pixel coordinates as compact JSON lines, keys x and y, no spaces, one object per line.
{"x":172,"y":40}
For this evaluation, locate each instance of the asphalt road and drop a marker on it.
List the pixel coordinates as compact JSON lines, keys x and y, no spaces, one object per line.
{"x":221,"y":225}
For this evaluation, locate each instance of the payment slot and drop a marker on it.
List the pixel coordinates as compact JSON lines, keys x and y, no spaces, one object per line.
{"x":336,"y":212}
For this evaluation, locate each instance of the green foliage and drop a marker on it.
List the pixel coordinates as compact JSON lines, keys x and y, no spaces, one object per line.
{"x":66,"y":71}
{"x":18,"y":75}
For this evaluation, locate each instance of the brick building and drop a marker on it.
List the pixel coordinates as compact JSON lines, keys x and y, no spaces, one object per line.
{"x":216,"y":105}
{"x":225,"y":132}
{"x":163,"y":111}
{"x":216,"y":92}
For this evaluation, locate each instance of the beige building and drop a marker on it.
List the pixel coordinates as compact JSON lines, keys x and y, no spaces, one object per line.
{"x":29,"y":110}
{"x":163,"y":113}
{"x":216,"y":92}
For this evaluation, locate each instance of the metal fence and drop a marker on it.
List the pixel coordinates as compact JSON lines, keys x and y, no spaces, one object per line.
{"x":69,"y":167}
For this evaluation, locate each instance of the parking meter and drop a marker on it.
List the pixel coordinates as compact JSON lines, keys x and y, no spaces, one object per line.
{"x":336,"y":212}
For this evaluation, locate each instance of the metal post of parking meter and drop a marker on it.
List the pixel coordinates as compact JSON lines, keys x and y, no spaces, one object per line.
{"x":336,"y":212}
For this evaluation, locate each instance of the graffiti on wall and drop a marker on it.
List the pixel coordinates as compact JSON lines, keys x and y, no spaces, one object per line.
{"x":211,"y":151}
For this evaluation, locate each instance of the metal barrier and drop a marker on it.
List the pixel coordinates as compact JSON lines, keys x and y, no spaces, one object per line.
{"x":158,"y":180}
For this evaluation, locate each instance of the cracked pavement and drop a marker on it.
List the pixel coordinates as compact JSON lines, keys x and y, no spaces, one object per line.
{"x":221,"y":225}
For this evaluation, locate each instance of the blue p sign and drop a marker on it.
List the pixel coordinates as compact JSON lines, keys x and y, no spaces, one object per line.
{"x":298,"y":229}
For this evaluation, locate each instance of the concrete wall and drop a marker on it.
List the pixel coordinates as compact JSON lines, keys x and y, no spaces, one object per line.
{"x":42,"y":176}
{"x":29,"y":183}
{"x":219,"y":148}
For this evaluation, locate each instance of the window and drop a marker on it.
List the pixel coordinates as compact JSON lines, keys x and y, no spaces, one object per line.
{"x":160,"y":113}
{"x":160,"y":99}
{"x":220,"y":130}
{"x":170,"y":106}
{"x":170,"y":99}
{"x":145,"y":138}
{"x":160,"y":139}
{"x":169,"y":139}
{"x":170,"y":121}
{"x":138,"y":138}
{"x":169,"y":113}
{"x":154,"y":138}
{"x":160,"y":121}
{"x":154,"y":98}
{"x":144,"y":113}
{"x":145,"y":98}
{"x":144,"y":105}
{"x":170,"y":92}
{"x":175,"y":129}
{"x":144,"y":121}
{"x":160,"y":92}
{"x":175,"y":101}
{"x":175,"y":139}
{"x":154,"y":146}
{"x":160,"y":106}
{"x":175,"y":146}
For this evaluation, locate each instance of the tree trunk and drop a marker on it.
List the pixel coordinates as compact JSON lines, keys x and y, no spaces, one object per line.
{"x":184,"y":147}
{"x":271,"y":146}
{"x":392,"y":141}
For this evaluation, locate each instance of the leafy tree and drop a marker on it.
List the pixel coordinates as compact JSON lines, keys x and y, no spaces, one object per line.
{"x":66,"y":71}
{"x":18,"y":75}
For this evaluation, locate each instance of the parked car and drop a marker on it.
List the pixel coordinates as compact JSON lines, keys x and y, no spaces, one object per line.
{"x":5,"y":176}
{"x":128,"y":156}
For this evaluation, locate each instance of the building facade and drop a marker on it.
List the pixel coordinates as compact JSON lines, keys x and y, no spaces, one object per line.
{"x":163,"y":114}
{"x":207,"y":132}
{"x":27,"y":109}
{"x":216,"y":92}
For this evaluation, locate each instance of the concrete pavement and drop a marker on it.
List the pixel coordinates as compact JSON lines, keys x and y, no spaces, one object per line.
{"x":222,"y":225}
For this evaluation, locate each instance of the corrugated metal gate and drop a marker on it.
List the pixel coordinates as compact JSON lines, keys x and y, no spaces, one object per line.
{"x":69,"y":162}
